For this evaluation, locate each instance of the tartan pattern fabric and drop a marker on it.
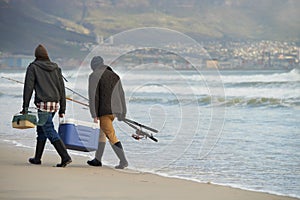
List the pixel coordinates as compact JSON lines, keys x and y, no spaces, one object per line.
{"x":48,"y":106}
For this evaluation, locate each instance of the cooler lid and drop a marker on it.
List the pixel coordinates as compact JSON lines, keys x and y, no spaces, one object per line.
{"x":79,"y":122}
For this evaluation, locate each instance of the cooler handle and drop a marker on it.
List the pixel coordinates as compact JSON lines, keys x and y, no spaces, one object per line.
{"x":61,"y":120}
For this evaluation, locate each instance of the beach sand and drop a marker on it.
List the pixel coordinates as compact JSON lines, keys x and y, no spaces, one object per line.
{"x":21,"y":180}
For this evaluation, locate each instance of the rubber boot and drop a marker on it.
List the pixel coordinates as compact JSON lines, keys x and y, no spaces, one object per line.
{"x":40,"y":145}
{"x":98,"y":156}
{"x":118,"y":149}
{"x":62,"y":151}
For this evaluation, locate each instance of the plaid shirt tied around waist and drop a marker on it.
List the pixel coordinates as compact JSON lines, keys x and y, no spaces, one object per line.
{"x":48,"y":106}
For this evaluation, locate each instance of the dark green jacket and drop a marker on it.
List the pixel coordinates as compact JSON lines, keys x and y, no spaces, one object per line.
{"x":45,"y":78}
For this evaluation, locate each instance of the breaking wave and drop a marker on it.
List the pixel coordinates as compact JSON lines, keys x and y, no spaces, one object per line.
{"x":217,"y":101}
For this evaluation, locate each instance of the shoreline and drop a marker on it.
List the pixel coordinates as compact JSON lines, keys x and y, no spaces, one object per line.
{"x":21,"y":180}
{"x":284,"y":69}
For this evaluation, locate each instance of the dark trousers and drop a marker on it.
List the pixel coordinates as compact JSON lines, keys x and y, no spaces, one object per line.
{"x":45,"y":128}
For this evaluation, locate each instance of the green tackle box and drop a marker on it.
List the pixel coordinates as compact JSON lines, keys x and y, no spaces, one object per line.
{"x":23,"y":121}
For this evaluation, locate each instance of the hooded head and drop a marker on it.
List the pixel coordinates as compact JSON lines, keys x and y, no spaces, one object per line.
{"x":97,"y":62}
{"x":41,"y":53}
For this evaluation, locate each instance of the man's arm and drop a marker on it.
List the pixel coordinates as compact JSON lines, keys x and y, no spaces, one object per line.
{"x":92,"y":96}
{"x":28,"y":87}
{"x":62,"y":102}
{"x":121,"y":116}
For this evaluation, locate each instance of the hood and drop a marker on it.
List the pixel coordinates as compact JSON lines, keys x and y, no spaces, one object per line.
{"x":41,"y":53}
{"x":46,"y":65}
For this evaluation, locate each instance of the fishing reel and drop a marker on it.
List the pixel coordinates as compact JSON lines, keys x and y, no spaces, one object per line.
{"x":139,"y":134}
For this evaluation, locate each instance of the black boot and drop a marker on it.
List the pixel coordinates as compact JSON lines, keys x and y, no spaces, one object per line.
{"x":95,"y":162}
{"x":118,"y":149}
{"x":98,"y":156}
{"x":40,"y":145}
{"x":62,"y":151}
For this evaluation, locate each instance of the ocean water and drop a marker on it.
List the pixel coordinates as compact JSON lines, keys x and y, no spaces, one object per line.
{"x":233,"y":128}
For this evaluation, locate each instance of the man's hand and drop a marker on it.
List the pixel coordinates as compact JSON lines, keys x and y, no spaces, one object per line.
{"x":24,"y":111}
{"x":96,"y":120}
{"x":120,"y":117}
{"x":62,"y":115}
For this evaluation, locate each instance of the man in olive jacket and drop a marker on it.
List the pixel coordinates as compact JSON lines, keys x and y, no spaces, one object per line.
{"x":45,"y":78}
{"x":106,"y":101}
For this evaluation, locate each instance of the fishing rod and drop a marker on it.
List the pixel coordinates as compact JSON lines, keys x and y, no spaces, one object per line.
{"x":68,"y":98}
{"x":74,"y":91}
{"x":65,"y":87}
{"x":77,"y":93}
{"x":140,"y":125}
{"x":81,"y":103}
{"x":12,"y":80}
{"x":133,"y":124}
{"x":139,"y":133}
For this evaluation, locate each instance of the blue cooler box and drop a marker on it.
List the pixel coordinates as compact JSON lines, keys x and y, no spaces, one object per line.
{"x":79,"y":135}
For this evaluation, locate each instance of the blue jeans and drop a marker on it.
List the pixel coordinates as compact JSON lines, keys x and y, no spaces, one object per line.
{"x":45,"y":128}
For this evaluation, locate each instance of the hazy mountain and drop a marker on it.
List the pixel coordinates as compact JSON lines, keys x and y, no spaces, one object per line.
{"x":65,"y":25}
{"x":23,"y":25}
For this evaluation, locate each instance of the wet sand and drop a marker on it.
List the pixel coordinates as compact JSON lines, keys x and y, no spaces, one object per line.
{"x":21,"y":180}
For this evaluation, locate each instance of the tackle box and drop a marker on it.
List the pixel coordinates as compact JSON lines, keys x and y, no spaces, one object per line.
{"x":23,"y":121}
{"x":79,"y":135}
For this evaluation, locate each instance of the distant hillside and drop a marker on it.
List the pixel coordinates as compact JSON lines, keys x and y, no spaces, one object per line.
{"x":64,"y":25}
{"x":211,"y":19}
{"x":23,"y":25}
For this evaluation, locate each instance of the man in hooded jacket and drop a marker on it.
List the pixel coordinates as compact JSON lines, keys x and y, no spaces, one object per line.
{"x":106,"y":101}
{"x":45,"y":78}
